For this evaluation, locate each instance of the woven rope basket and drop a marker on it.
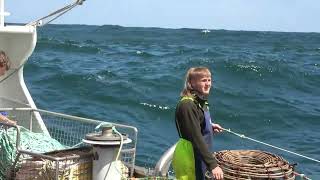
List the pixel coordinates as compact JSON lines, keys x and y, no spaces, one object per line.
{"x":253,"y":164}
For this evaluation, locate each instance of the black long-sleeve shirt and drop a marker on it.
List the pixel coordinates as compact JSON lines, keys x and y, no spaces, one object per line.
{"x":190,"y":121}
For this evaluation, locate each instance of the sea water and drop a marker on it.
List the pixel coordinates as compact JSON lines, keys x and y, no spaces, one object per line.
{"x":266,"y":84}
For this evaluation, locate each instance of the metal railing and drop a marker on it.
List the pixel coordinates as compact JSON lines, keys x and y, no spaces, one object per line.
{"x":74,"y":159}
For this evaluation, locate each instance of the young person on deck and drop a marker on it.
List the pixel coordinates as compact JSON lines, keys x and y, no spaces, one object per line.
{"x":192,"y":159}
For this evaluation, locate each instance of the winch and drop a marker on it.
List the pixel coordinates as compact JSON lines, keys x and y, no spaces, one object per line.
{"x":107,"y":146}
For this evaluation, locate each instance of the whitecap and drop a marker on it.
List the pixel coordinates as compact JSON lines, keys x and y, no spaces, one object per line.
{"x":252,"y":67}
{"x":205,"y":31}
{"x":155,"y":106}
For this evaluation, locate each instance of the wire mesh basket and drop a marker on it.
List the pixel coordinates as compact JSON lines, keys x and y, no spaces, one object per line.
{"x":253,"y":164}
{"x":73,"y":160}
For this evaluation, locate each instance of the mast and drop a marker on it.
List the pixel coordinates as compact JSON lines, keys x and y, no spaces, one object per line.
{"x":1,"y":13}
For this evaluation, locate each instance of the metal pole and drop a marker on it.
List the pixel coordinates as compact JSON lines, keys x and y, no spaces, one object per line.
{"x":1,"y":13}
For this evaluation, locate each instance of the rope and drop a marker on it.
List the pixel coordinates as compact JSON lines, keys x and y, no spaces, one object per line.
{"x":122,"y":168}
{"x":121,"y":142}
{"x":270,"y":145}
{"x":13,"y":72}
{"x":56,"y":14}
{"x":302,"y":176}
{"x":31,"y":141}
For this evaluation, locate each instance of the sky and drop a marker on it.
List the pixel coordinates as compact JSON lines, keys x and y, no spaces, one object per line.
{"x":256,"y":15}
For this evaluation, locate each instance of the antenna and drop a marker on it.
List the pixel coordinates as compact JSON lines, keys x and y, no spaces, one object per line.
{"x":2,"y":13}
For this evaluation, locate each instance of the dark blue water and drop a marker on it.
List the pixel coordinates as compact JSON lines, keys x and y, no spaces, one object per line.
{"x":266,"y":84}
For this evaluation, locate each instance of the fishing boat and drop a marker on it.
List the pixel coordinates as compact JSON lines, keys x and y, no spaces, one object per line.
{"x":51,"y":145}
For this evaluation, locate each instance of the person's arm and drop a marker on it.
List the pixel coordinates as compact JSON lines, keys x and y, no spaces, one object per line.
{"x":190,"y":127}
{"x":7,"y":120}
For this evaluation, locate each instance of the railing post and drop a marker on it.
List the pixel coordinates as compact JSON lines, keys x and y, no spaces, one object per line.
{"x":1,"y":13}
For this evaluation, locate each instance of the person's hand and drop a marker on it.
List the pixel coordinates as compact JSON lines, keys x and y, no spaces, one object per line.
{"x":6,"y":120}
{"x":217,"y":173}
{"x":216,"y":128}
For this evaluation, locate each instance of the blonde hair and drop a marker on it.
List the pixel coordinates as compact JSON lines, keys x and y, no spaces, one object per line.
{"x":193,"y":74}
{"x":4,"y":60}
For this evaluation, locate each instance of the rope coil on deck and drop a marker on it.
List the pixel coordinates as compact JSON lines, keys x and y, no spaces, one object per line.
{"x":253,"y":164}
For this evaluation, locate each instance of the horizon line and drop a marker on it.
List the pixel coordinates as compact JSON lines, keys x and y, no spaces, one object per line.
{"x":173,"y":28}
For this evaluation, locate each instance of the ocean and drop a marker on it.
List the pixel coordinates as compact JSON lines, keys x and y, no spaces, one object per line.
{"x":266,"y":84}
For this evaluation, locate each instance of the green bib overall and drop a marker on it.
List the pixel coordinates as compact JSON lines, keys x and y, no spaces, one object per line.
{"x":187,"y":164}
